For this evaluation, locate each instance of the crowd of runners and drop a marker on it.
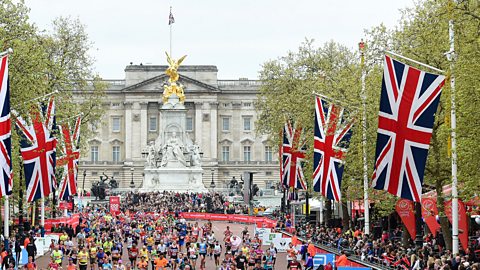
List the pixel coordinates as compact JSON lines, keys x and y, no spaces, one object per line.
{"x":162,"y":239}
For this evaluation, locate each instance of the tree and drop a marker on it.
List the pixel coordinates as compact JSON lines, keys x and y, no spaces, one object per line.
{"x":46,"y":62}
{"x":422,"y":34}
{"x":287,"y":94}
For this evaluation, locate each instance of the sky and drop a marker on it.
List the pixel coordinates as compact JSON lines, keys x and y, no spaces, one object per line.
{"x":235,"y":35}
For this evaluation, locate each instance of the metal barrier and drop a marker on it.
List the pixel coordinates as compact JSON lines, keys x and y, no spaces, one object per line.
{"x":327,"y":246}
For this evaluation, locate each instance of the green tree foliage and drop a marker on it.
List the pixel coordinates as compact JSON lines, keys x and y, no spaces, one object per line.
{"x":46,"y":62}
{"x":333,"y":70}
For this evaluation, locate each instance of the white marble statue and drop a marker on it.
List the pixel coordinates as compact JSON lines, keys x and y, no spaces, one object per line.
{"x":196,"y":159}
{"x":151,"y":163}
{"x":172,"y":151}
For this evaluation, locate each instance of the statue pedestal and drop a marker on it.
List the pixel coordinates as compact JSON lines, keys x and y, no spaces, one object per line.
{"x":172,"y":178}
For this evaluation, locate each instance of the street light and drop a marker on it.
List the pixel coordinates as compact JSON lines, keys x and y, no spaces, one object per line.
{"x":212,"y":184}
{"x":83,"y":187}
{"x":132,"y":184}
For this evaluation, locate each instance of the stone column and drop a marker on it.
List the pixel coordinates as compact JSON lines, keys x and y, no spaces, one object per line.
{"x":213,"y":131}
{"x":143,"y":124}
{"x":198,"y":123}
{"x":136,"y":132}
{"x":128,"y":130}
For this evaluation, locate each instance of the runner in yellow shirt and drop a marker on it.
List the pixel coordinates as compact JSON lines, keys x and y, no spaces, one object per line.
{"x":83,"y":259}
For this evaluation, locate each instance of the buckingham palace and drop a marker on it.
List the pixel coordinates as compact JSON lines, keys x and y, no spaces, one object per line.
{"x":220,"y":118}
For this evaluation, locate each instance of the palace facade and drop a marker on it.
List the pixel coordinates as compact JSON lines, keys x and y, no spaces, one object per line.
{"x":220,"y":119}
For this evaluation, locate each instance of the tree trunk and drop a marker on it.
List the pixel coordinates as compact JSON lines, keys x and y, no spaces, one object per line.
{"x":345,"y":216}
{"x":328,"y":212}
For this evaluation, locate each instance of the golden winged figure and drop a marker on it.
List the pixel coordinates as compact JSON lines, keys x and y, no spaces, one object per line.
{"x":172,"y":72}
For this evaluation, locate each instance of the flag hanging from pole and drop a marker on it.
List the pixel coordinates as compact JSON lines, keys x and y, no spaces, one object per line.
{"x":6,"y":175}
{"x":293,"y":156}
{"x":171,"y":19}
{"x":408,"y":103}
{"x":332,"y":136}
{"x":38,"y":151}
{"x":69,"y":160}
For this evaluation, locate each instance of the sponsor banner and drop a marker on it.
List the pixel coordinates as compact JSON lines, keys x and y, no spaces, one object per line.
{"x":353,"y":268}
{"x":115,"y":205}
{"x":73,"y":220}
{"x":405,"y":209}
{"x":323,"y":259}
{"x":281,"y":243}
{"x":429,"y":214}
{"x":269,"y":238}
{"x":462,"y":221}
{"x":261,"y":222}
{"x":65,"y":205}
{"x":262,"y":231}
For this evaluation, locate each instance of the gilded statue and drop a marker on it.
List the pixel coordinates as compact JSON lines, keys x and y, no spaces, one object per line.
{"x":173,"y":87}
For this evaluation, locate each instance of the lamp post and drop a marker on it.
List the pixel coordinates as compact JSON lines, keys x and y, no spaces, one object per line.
{"x":132,"y":184}
{"x":83,"y":185}
{"x":212,"y":184}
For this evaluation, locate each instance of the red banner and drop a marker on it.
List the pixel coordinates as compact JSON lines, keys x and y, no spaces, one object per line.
{"x":115,"y":205}
{"x":462,"y":221}
{"x":65,"y":205}
{"x":73,"y":220}
{"x":405,"y":209}
{"x":260,"y":221}
{"x":429,"y":214}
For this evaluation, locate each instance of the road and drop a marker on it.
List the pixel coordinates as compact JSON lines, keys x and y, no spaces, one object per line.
{"x":218,"y":227}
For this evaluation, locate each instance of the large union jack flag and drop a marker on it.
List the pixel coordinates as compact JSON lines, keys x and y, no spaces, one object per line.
{"x":38,"y":151}
{"x":6,"y":174}
{"x":332,"y":135}
{"x":69,"y":160}
{"x":293,"y":156}
{"x":408,"y":103}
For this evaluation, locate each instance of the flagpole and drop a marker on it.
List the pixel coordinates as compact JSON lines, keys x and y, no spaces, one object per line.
{"x":42,"y":97}
{"x":170,"y":24}
{"x":366,"y":203}
{"x":6,"y":217}
{"x":6,"y":205}
{"x":415,"y":61}
{"x":453,"y":125}
{"x":42,"y":221}
{"x":329,"y":99}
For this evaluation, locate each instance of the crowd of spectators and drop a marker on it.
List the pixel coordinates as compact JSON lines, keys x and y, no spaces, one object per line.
{"x":391,"y":249}
{"x":181,"y":202}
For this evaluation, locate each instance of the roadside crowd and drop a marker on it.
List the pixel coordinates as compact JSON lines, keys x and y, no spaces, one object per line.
{"x":389,"y":249}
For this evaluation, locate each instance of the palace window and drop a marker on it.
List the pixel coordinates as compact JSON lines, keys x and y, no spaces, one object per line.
{"x":226,"y":153}
{"x":152,"y":123}
{"x":226,"y":124}
{"x":189,"y":124}
{"x":94,"y":153}
{"x":268,"y":153}
{"x":247,"y":152}
{"x":116,"y":153}
{"x":116,"y":124}
{"x":247,"y":123}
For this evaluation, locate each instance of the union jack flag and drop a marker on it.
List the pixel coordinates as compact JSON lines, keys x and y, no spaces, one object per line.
{"x":69,"y":160}
{"x":6,"y":175}
{"x":38,"y":151}
{"x":408,"y":103}
{"x":332,"y":135}
{"x":293,"y":156}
